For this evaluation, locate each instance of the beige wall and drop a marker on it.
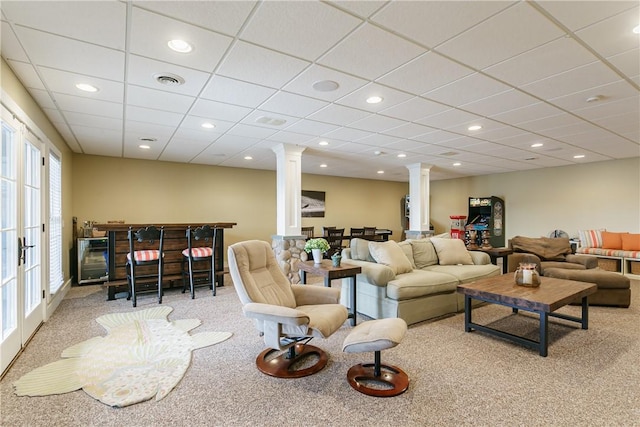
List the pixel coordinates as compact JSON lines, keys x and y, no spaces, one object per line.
{"x":18,"y":94}
{"x":144,"y":191}
{"x":569,"y":198}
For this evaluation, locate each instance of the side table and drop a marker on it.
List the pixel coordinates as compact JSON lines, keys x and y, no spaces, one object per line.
{"x":495,"y":253}
{"x":329,"y":272}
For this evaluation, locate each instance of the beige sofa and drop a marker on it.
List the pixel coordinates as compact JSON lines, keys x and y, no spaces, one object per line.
{"x":414,"y":280}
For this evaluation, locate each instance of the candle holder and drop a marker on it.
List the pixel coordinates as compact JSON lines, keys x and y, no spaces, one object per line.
{"x":527,"y":275}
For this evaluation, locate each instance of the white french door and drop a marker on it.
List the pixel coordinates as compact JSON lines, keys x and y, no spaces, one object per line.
{"x":21,"y":237}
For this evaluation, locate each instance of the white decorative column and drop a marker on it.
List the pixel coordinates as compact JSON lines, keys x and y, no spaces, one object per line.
{"x":419,"y":219}
{"x":288,"y":243}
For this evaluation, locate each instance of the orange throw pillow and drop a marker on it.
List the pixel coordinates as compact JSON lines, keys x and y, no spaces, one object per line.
{"x":631,"y":242}
{"x":612,"y":240}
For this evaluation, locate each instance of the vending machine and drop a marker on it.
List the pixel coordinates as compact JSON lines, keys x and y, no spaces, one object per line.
{"x":458,"y":223}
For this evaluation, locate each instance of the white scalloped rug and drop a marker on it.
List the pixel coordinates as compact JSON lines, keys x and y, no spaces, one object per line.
{"x":143,"y":355}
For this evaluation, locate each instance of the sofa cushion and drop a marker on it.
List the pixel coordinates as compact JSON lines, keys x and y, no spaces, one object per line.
{"x":420,"y":283}
{"x":546,"y":248}
{"x":631,"y":242}
{"x":424,"y":254}
{"x":451,"y":251}
{"x":590,"y":238}
{"x":466,"y":273}
{"x":391,"y":254}
{"x":360,"y":250}
{"x":611,"y":240}
{"x":544,"y":265}
{"x":408,"y":251}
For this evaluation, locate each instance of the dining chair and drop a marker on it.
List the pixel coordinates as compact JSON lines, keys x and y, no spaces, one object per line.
{"x":325,"y":230}
{"x":197,"y":260}
{"x":370,"y":231}
{"x":356,"y":232}
{"x":308,"y":232}
{"x":145,"y":260}
{"x":334,"y":238}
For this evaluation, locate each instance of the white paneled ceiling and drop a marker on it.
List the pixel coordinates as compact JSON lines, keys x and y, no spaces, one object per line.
{"x":565,"y":74}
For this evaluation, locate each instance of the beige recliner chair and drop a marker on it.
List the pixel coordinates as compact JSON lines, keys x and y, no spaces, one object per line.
{"x":288,"y":316}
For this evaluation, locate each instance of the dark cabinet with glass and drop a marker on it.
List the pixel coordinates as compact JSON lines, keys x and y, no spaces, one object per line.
{"x":487,"y":213}
{"x":92,"y":260}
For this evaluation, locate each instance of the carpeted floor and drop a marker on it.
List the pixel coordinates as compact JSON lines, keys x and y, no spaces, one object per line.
{"x":590,"y":378}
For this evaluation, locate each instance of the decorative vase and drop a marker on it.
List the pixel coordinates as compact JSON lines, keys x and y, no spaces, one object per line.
{"x":335,"y":259}
{"x":317,"y":255}
{"x":527,"y":275}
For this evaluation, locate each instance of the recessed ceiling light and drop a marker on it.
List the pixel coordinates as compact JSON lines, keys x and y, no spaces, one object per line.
{"x":208,"y":125}
{"x":323,"y":143}
{"x":474,"y":127}
{"x":87,"y":87}
{"x":537,"y":144}
{"x":380,"y":172}
{"x":579,"y":156}
{"x":377,"y":152}
{"x":248,"y":158}
{"x":323,"y":165}
{"x":594,"y":98}
{"x":402,"y":155}
{"x":326,"y":86}
{"x":374,"y":100}
{"x":144,"y":146}
{"x":637,"y":29}
{"x":179,"y":46}
{"x":457,"y":164}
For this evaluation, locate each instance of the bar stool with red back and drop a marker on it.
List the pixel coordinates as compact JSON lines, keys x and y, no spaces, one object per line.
{"x":145,"y":260}
{"x":198,"y":260}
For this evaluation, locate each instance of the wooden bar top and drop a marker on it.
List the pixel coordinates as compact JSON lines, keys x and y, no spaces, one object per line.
{"x":172,"y":226}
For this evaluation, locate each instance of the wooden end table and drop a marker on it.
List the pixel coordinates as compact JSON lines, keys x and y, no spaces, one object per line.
{"x":495,"y":253}
{"x":544,"y":300}
{"x":329,"y":272}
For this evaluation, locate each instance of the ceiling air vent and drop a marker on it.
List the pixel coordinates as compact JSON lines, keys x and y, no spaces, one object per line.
{"x":169,"y":79}
{"x":270,"y":121}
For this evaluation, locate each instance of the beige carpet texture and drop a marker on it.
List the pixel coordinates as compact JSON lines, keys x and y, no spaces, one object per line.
{"x":590,"y":378}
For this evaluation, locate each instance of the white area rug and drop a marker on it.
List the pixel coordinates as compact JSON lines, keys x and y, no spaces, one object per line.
{"x":143,"y":355}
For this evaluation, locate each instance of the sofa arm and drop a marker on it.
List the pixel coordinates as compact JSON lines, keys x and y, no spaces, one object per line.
{"x":514,"y":260}
{"x":480,"y":258}
{"x":376,"y":274}
{"x":587,"y":261}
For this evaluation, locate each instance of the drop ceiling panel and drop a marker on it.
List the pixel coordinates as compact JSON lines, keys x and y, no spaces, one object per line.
{"x":11,"y":49}
{"x":250,"y":63}
{"x":541,"y":62}
{"x":44,"y":100}
{"x":433,"y":22}
{"x":467,"y":89}
{"x":99,"y":141}
{"x":526,"y":29}
{"x":100,"y":23}
{"x":149,"y":115}
{"x":361,"y":8}
{"x":414,"y":109}
{"x":71,"y":55}
{"x":305,"y":30}
{"x":425,"y":73}
{"x":408,"y":130}
{"x":231,"y":91}
{"x":617,"y":90}
{"x":88,"y":120}
{"x":65,"y":82}
{"x":358,"y":98}
{"x":292,"y":104}
{"x":218,"y":110}
{"x":590,"y":11}
{"x":376,"y":123}
{"x":359,"y":53}
{"x":158,"y":100}
{"x":627,"y":62}
{"x":251,"y":131}
{"x":613,"y":35}
{"x":151,"y":33}
{"x":94,"y":107}
{"x":183,"y":149}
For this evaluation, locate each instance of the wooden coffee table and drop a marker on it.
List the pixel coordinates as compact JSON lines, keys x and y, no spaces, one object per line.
{"x":543,"y":300}
{"x":329,"y":272}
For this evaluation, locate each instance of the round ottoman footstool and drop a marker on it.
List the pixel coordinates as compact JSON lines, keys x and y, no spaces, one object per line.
{"x":376,"y":335}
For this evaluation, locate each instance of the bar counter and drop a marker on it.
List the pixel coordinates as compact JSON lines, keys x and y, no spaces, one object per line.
{"x":175,"y":241}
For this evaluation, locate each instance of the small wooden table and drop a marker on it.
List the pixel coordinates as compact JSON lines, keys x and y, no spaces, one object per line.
{"x":329,"y":272}
{"x":495,"y":253}
{"x":543,"y":300}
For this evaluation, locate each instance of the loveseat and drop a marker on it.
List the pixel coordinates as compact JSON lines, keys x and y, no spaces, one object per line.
{"x":414,"y":280}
